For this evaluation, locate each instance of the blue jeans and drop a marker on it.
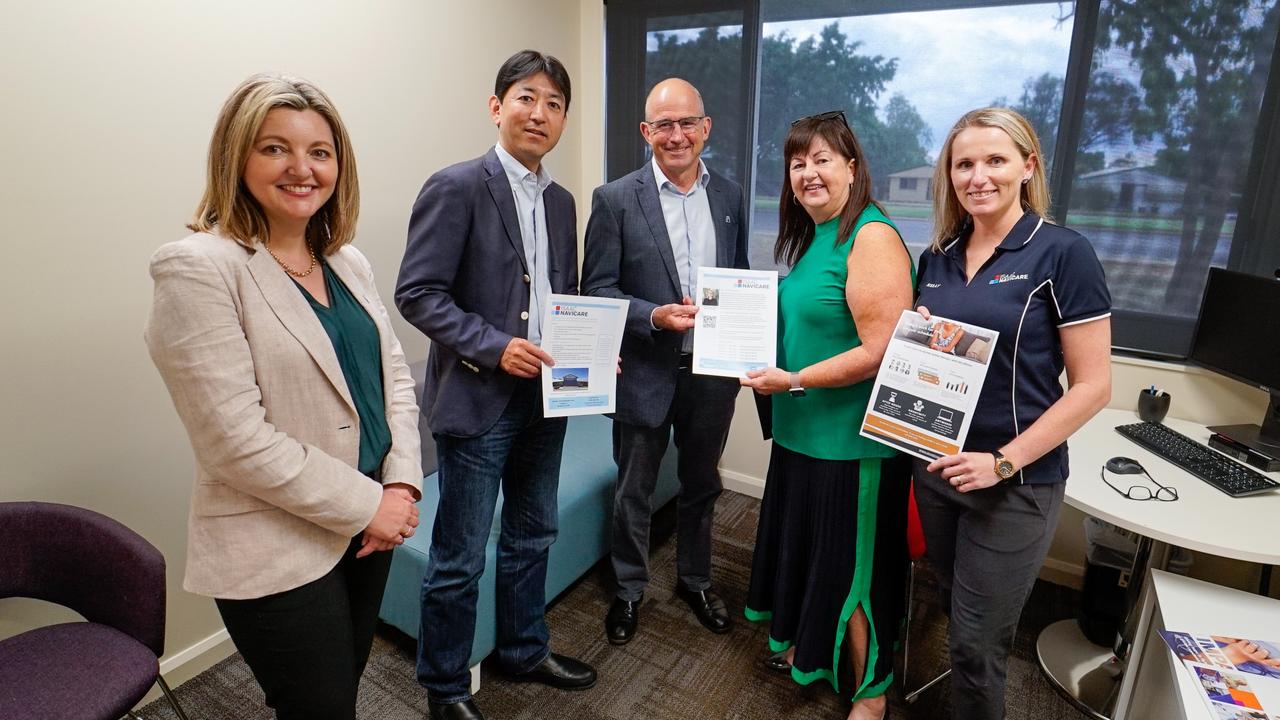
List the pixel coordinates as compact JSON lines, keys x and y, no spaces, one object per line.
{"x":520,"y":454}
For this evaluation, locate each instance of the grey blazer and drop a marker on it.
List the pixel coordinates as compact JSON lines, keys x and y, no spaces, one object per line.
{"x":276,"y":436}
{"x":464,"y":283}
{"x":628,"y":255}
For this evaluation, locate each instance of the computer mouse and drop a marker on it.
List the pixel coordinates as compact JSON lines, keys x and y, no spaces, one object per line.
{"x":1124,"y":466}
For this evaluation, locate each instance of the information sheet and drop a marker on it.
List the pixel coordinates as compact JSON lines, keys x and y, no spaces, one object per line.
{"x":736,"y":328}
{"x":1237,"y":678}
{"x":924,"y":395}
{"x":583,"y":335}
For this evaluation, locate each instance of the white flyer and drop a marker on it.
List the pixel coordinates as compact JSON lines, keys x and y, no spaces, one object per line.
{"x":583,"y":335}
{"x":928,"y":385}
{"x":736,"y":328}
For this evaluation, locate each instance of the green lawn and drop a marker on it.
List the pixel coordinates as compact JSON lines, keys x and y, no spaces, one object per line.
{"x":1079,"y":220}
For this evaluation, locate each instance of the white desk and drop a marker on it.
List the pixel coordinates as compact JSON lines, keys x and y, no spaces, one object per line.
{"x":1160,"y":686}
{"x":1203,"y":519}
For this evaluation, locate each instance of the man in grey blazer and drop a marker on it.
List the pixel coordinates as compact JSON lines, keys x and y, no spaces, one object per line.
{"x":489,"y":240}
{"x":648,"y":233}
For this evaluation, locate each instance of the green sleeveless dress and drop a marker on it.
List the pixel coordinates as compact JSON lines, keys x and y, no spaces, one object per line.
{"x":832,"y":527}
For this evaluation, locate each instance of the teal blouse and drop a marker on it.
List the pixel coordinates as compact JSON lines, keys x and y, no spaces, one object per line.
{"x":359,"y":348}
{"x":814,"y":323}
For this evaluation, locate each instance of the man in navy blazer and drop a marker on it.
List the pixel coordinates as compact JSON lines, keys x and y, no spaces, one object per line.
{"x":489,"y":240}
{"x":648,"y":233}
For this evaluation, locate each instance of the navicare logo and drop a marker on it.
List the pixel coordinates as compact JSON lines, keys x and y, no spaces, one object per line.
{"x":568,"y":310}
{"x":1007,"y":277}
{"x":751,"y":284}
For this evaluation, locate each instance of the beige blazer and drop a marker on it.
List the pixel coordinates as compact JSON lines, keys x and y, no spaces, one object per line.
{"x":276,"y":437}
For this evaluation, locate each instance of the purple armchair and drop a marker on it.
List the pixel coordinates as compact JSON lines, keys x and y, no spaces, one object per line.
{"x":95,"y":670}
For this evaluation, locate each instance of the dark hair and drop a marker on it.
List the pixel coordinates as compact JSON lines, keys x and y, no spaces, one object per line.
{"x":795,"y":227}
{"x":528,"y":63}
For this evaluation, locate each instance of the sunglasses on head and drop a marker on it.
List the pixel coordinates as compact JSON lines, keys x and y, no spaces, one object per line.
{"x":822,"y":117}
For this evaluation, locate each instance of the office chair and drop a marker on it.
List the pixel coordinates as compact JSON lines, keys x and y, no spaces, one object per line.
{"x":95,"y":670}
{"x":915,"y":549}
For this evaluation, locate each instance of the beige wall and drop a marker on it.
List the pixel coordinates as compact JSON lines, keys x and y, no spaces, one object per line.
{"x":108,"y":110}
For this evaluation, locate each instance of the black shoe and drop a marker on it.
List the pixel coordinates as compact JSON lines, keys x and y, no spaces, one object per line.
{"x":707,"y":607}
{"x":777,"y":662}
{"x":465,"y":710}
{"x":561,"y":672}
{"x":620,"y":623}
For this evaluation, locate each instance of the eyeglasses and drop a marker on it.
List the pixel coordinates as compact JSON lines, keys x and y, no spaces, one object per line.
{"x":1164,"y":493}
{"x":686,"y":124}
{"x":822,"y":117}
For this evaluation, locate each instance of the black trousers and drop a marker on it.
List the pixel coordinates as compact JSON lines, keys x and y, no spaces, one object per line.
{"x":986,"y":547}
{"x":308,"y":646}
{"x":700,"y":414}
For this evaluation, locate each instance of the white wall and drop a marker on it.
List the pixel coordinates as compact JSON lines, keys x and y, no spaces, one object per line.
{"x":108,"y":109}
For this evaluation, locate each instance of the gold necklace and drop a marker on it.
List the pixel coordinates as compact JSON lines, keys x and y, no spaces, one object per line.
{"x":290,"y":270}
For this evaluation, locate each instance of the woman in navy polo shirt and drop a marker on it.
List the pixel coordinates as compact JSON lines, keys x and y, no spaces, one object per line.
{"x":997,"y":261}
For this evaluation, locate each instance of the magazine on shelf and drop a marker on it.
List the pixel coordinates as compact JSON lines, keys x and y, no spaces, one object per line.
{"x":1237,"y":678}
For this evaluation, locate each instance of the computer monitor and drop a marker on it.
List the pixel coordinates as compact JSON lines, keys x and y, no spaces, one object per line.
{"x":1238,"y":335}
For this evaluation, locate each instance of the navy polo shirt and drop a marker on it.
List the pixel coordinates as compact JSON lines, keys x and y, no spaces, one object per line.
{"x":1042,"y":277}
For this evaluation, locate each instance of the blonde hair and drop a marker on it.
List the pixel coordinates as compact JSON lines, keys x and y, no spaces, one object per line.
{"x":949,"y":217}
{"x":227,"y":204}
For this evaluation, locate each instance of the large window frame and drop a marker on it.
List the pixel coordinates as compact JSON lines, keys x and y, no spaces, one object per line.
{"x":1255,"y":244}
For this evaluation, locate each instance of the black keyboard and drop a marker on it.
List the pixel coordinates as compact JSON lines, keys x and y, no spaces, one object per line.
{"x":1220,"y":471}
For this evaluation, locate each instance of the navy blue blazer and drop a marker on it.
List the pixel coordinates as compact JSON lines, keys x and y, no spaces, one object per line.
{"x":464,"y":283}
{"x":628,"y":255}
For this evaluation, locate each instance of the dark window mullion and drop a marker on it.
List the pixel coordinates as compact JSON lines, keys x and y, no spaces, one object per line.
{"x":1075,"y":87}
{"x":624,"y":86}
{"x":1255,"y":245}
{"x":752,"y":29}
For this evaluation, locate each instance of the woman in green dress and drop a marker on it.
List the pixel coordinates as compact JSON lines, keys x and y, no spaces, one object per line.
{"x":830,"y":549}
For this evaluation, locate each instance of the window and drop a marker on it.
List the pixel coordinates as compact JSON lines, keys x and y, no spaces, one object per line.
{"x":902,"y":78}
{"x":707,"y":56}
{"x":1160,"y":121}
{"x":1169,"y":120}
{"x":700,"y":42}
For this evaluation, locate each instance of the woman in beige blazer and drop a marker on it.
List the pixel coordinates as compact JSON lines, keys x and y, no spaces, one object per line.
{"x":269,"y":333}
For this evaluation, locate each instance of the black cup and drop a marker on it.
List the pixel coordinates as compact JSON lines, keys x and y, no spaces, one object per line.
{"x":1153,"y":407}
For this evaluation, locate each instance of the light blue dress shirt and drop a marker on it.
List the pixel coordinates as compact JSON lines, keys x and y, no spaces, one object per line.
{"x":527,"y":187}
{"x":691,"y":229}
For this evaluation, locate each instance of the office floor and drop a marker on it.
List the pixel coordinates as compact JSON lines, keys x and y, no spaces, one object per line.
{"x":673,"y":669}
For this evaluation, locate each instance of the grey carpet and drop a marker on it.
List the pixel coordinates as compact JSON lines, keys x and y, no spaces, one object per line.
{"x":673,"y":669}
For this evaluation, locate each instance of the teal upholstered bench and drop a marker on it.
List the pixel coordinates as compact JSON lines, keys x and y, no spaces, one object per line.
{"x":587,"y":477}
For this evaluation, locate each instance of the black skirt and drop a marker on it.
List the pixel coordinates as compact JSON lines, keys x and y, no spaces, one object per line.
{"x":832,"y":536}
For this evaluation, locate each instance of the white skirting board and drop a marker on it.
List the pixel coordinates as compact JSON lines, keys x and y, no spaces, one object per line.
{"x":185,"y":664}
{"x":742,"y":483}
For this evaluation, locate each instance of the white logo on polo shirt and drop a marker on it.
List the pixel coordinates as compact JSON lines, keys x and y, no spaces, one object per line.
{"x":933,"y":285}
{"x":1007,"y":277}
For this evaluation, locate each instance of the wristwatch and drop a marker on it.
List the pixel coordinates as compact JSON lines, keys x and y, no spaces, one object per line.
{"x":796,"y":391}
{"x":1004,"y":468}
